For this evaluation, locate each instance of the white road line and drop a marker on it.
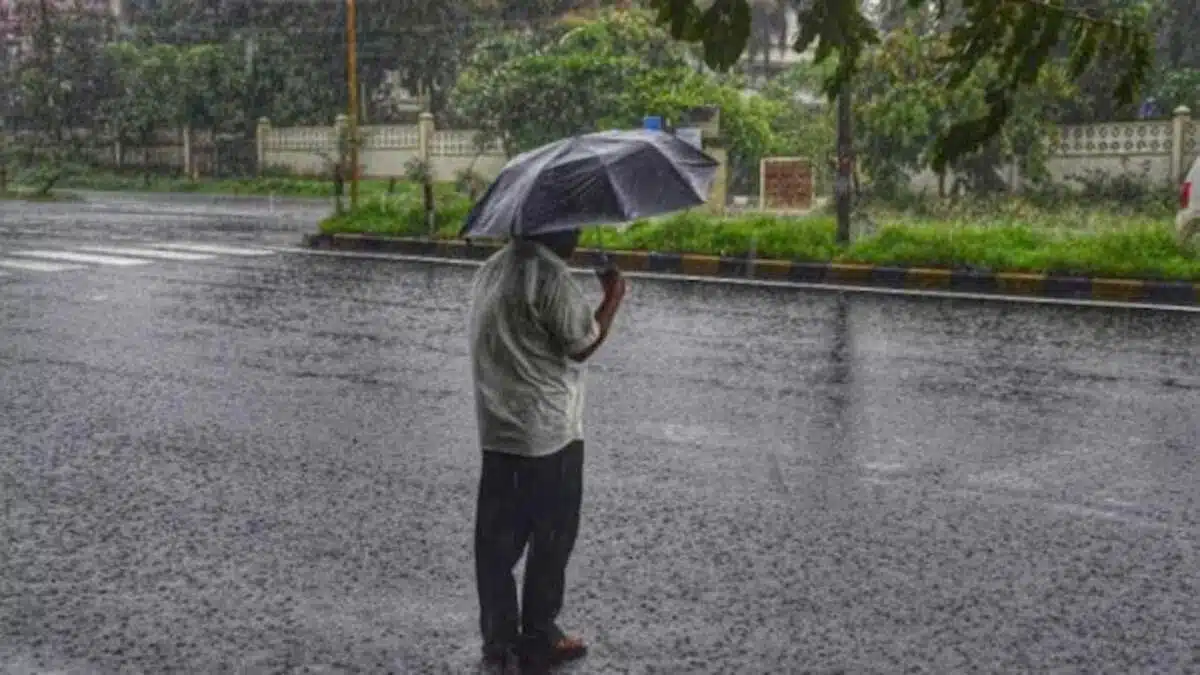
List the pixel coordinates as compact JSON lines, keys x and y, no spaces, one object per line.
{"x":38,"y":266}
{"x":82,"y":258}
{"x":215,"y":249}
{"x":147,"y":253}
{"x":799,"y":285}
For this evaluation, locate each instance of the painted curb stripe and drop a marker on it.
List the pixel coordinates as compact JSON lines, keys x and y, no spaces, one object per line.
{"x":733,"y":267}
{"x":1020,"y":284}
{"x":892,"y":277}
{"x":1067,"y":287}
{"x":775,"y":270}
{"x":1118,"y":289}
{"x":631,"y":260}
{"x":928,"y":279}
{"x":707,"y":265}
{"x":970,"y":281}
{"x":809,"y":272}
{"x":1171,"y":292}
{"x":961,"y":281}
{"x":666,"y":262}
{"x":845,"y":273}
{"x":588,"y":258}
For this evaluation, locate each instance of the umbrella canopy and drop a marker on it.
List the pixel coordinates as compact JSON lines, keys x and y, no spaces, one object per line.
{"x":610,"y":177}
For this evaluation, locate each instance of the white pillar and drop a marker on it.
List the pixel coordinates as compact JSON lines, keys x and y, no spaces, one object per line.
{"x":425,"y":132}
{"x":260,"y":140}
{"x":1180,"y":129}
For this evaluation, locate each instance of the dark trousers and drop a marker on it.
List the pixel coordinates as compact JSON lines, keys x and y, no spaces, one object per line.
{"x":525,"y":501}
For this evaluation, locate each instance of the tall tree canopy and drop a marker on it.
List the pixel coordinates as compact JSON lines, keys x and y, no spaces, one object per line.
{"x":1019,"y":35}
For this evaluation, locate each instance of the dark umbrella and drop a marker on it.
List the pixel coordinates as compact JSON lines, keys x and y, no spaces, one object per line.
{"x":609,"y":177}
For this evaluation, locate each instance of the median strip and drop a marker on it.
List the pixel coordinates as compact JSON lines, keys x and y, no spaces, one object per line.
{"x":1146,"y":291}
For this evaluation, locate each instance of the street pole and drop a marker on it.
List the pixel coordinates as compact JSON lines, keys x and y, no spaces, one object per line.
{"x":352,"y":77}
{"x":845,"y":164}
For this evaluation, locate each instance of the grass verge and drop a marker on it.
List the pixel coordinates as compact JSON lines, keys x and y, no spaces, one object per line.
{"x":22,"y":196}
{"x":1075,"y":242}
{"x":281,"y":186}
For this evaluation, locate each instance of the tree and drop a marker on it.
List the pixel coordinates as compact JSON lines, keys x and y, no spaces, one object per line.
{"x":527,"y":89}
{"x":59,"y":77}
{"x":901,"y":106}
{"x":1018,"y":35}
{"x":53,"y":88}
{"x":148,"y":94}
{"x":211,"y":77}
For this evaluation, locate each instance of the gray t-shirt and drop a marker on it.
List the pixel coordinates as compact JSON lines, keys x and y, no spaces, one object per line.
{"x":527,"y":317}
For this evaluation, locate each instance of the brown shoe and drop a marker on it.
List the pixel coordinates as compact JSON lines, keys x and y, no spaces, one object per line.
{"x":563,"y":650}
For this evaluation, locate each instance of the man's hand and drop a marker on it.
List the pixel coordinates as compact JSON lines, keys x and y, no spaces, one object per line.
{"x":614,"y":291}
{"x":613,"y":283}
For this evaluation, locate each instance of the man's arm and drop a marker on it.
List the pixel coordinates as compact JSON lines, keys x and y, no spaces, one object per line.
{"x":570,"y":320}
{"x":614,"y":293}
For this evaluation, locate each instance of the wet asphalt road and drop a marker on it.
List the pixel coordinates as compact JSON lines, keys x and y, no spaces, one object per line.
{"x":266,"y":465}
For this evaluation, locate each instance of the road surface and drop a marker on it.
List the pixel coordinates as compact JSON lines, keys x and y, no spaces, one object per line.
{"x":224,"y":458}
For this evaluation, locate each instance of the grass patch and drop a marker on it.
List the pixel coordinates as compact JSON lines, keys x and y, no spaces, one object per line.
{"x":278,"y":185}
{"x":401,"y":216}
{"x":1141,"y":251}
{"x":25,"y":196}
{"x":1018,"y":237}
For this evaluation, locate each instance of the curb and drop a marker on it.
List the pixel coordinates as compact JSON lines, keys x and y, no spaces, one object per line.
{"x":909,"y":278}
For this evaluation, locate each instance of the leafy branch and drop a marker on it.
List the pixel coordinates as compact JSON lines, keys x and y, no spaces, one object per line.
{"x":1019,"y":34}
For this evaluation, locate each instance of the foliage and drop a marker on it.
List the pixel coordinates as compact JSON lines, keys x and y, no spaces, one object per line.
{"x":1016,"y":35}
{"x":1174,"y":88}
{"x":801,"y":128}
{"x":293,"y":51}
{"x":1090,"y":243}
{"x":147,"y":84}
{"x":271,"y":183}
{"x":33,"y":160}
{"x":901,"y":105}
{"x":527,"y":90}
{"x":1123,"y":192}
{"x":58,"y":79}
{"x":403,"y":216}
{"x":470,"y":183}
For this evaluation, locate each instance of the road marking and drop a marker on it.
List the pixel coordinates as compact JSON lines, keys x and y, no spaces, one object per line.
{"x":82,"y":258}
{"x":215,"y":249}
{"x":796,"y":285}
{"x":147,"y":253}
{"x":37,"y":266}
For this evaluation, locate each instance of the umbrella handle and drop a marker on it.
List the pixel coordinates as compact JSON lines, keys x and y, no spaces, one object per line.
{"x":606,"y":262}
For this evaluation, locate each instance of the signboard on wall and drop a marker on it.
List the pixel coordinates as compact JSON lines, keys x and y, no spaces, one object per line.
{"x":785,"y":184}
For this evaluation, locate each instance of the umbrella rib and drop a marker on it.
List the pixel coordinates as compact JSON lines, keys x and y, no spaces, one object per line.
{"x":531,"y":180}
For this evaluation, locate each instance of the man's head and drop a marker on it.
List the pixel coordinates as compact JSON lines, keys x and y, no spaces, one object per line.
{"x":563,"y":243}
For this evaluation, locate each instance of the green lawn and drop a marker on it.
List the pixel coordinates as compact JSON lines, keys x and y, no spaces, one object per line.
{"x":1008,"y":236}
{"x":26,"y":196}
{"x":282,"y":186}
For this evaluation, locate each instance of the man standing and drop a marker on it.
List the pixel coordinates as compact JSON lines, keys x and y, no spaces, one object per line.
{"x":531,"y":330}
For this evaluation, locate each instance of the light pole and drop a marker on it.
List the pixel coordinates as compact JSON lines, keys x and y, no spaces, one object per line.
{"x":352,"y":78}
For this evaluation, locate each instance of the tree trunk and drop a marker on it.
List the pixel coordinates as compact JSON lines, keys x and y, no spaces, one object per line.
{"x":430,"y":214}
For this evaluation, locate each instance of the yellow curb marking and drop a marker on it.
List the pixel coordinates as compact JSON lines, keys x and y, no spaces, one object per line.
{"x":922,"y":277}
{"x":700,"y":264}
{"x":1020,"y":284}
{"x":1117,"y":289}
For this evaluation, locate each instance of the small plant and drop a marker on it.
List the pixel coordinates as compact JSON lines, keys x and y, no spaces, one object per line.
{"x":470,"y":183}
{"x":420,"y":171}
